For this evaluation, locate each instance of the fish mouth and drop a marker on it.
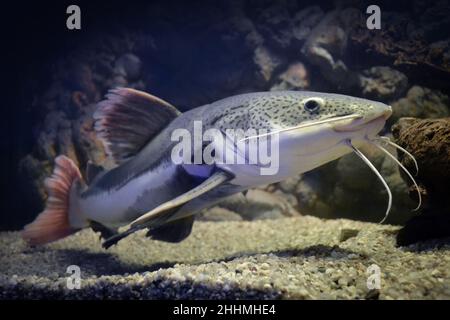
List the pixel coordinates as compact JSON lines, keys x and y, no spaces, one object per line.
{"x":363,"y":122}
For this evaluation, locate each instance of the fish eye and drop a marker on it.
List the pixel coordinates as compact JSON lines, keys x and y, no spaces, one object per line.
{"x":312,"y":105}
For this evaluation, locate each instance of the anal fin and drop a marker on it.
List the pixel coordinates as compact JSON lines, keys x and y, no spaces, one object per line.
{"x":174,"y":231}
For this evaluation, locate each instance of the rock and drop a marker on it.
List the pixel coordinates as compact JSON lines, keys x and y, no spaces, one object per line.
{"x":117,"y":81}
{"x":373,"y":294}
{"x":353,"y":173}
{"x":275,"y":25}
{"x":421,"y":102}
{"x":56,"y":130}
{"x":414,"y":39}
{"x":305,"y":20}
{"x":296,"y":77}
{"x":84,"y":136}
{"x":290,"y":184}
{"x":264,"y":204}
{"x":258,"y":204}
{"x":290,"y":198}
{"x":244,"y":27}
{"x":383,"y":83}
{"x":266,"y":61}
{"x":326,"y":45}
{"x":348,"y":185}
{"x":80,"y":78}
{"x":219,"y":214}
{"x":128,"y":65}
{"x":234,"y":202}
{"x":347,"y":234}
{"x":32,"y":173}
{"x":428,"y":141}
{"x":61,"y":135}
{"x":309,"y":195}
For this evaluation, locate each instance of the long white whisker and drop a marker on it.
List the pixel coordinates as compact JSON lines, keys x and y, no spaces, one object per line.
{"x":372,"y":167}
{"x":404,"y":169}
{"x":388,"y":141}
{"x":304,"y":125}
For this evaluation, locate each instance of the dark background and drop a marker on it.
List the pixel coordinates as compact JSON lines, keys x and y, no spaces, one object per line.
{"x":34,"y":35}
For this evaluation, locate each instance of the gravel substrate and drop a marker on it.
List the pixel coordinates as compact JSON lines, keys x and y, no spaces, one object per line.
{"x":291,"y":258}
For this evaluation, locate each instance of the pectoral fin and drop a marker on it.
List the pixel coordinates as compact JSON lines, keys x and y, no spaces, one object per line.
{"x":212,"y":182}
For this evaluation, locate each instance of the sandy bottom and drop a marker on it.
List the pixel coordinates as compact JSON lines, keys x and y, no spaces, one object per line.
{"x":292,"y":258}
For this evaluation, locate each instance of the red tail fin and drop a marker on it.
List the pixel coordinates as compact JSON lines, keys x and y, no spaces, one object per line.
{"x":53,"y":223}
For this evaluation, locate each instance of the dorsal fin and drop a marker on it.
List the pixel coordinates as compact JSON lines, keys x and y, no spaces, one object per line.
{"x":128,"y":119}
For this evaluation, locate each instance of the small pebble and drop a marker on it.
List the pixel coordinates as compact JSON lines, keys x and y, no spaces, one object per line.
{"x":347,"y":234}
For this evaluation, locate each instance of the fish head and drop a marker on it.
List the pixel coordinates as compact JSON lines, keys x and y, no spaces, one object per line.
{"x":310,"y":130}
{"x":346,"y":116}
